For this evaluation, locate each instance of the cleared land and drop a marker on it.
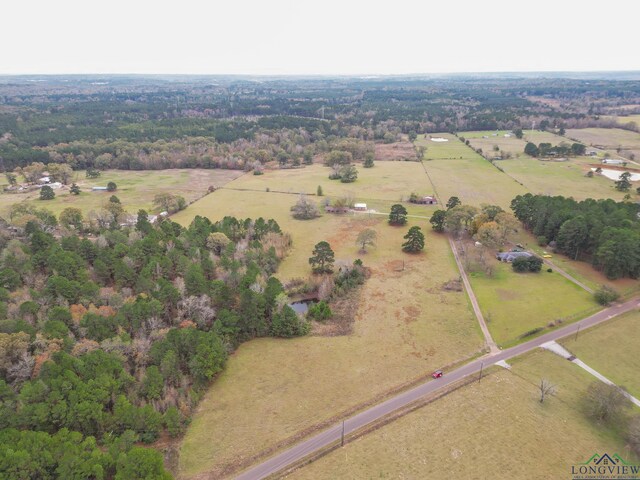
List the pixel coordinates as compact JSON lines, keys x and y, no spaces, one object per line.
{"x":471,"y":178}
{"x":136,"y":189}
{"x":545,"y":177}
{"x":464,"y":435}
{"x":609,"y":139}
{"x":612,"y":349}
{"x":405,"y":327}
{"x":515,"y":303}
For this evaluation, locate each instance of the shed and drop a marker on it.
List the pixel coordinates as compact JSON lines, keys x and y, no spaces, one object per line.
{"x":361,"y":207}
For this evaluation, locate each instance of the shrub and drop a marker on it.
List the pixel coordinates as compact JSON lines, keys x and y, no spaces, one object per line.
{"x":47,"y":193}
{"x":542,"y":240}
{"x":605,"y":295}
{"x":531,"y":332}
{"x":527,"y":264}
{"x":320,"y":311}
{"x":305,"y":209}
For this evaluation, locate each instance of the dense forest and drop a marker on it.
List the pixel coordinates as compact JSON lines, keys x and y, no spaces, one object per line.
{"x":212,"y":122}
{"x":108,"y":341}
{"x":604,"y":232}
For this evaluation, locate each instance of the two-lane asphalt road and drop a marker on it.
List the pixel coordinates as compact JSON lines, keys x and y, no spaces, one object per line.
{"x":307,"y":447}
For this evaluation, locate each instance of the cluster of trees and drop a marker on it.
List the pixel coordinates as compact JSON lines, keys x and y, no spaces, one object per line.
{"x":107,"y":342}
{"x":490,"y":225}
{"x":548,"y":150}
{"x":605,"y":232}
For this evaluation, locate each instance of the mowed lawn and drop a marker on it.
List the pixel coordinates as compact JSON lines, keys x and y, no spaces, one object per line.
{"x":453,"y":148}
{"x":493,"y":429}
{"x":515,"y":303}
{"x":406,"y":326}
{"x":471,"y":178}
{"x":612,"y":349}
{"x":136,"y":189}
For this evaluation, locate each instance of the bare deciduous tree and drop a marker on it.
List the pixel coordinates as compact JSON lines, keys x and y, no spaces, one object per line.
{"x":546,"y":388}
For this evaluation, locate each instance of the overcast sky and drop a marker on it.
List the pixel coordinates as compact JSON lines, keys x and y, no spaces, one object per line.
{"x":317,"y":37}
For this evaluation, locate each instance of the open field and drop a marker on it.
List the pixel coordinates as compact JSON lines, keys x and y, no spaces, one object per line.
{"x":629,"y":118}
{"x":515,"y":303}
{"x":511,"y":144}
{"x":560,"y":178}
{"x":473,"y":179}
{"x":545,"y":177}
{"x":136,"y":189}
{"x":612,"y":349}
{"x":493,"y":429}
{"x":387,"y":182}
{"x":609,"y":139}
{"x":405,"y":327}
{"x":451,"y":149}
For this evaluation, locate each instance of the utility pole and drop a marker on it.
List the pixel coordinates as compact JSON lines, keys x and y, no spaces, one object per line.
{"x":342,"y":436}
{"x":480,"y":376}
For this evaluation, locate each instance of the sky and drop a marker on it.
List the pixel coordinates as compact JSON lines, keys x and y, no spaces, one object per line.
{"x":346,"y":37}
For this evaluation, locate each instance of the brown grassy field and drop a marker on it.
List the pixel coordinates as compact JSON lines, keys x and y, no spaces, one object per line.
{"x":493,"y":429}
{"x":136,"y":189}
{"x":609,"y":139}
{"x":406,"y":325}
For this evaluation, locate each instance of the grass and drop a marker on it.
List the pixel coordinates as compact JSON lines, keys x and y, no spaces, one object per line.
{"x":471,"y":178}
{"x":136,"y":189}
{"x":493,"y":429}
{"x":452,"y":149}
{"x":515,"y":303}
{"x":511,"y":144}
{"x":405,"y":327}
{"x":612,"y":349}
{"x":544,"y":177}
{"x":609,"y":139}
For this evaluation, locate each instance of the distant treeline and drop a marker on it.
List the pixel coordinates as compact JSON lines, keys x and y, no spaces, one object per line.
{"x":605,"y":232}
{"x":36,"y":117}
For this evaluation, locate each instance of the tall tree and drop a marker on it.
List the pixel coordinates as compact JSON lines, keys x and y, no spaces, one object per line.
{"x":414,"y":240}
{"x":398,"y":215}
{"x":322,"y":258}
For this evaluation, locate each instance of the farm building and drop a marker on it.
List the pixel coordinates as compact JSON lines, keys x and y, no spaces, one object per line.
{"x":330,"y":209}
{"x":511,"y":256}
{"x":613,"y":161}
{"x":99,"y":189}
{"x":425,"y":200}
{"x":44,"y":180}
{"x":360,"y":207}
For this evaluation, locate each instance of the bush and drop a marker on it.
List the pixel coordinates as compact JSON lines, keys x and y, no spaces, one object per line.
{"x":305,"y":209}
{"x":320,"y":311}
{"x":527,"y":264}
{"x":605,"y":295}
{"x":542,"y":240}
{"x":531,"y":332}
{"x":111,"y":187}
{"x":47,"y":193}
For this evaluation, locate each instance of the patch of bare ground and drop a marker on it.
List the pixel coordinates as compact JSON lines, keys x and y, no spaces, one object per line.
{"x":402,"y":151}
{"x":344,"y":311}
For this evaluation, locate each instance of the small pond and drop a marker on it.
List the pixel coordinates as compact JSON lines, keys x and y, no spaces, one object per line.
{"x":302,"y":306}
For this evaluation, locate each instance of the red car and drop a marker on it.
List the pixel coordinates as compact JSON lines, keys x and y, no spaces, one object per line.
{"x":437,"y":374}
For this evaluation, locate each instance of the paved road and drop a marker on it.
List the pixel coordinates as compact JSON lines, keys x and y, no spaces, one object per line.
{"x":307,"y":447}
{"x":493,"y":348}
